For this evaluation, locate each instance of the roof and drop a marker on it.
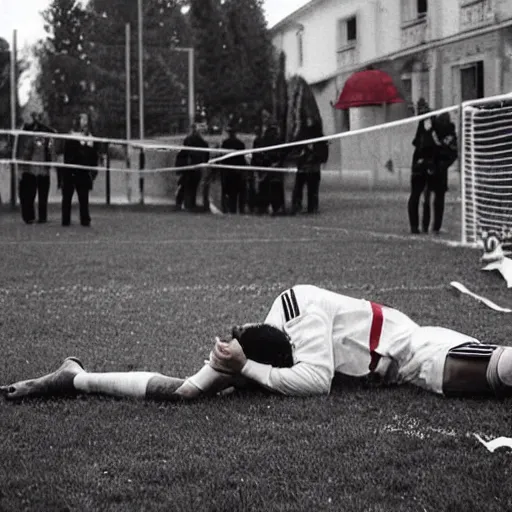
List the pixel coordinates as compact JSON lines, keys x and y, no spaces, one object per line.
{"x":294,"y":15}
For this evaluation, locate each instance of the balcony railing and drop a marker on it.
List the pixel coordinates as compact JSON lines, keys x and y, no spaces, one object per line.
{"x":414,"y":32}
{"x":348,"y":55}
{"x":477,"y":13}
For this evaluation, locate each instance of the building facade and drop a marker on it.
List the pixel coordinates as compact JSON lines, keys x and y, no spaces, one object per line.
{"x":446,"y":51}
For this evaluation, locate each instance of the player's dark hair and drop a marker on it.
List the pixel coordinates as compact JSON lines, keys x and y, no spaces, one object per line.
{"x":266,"y":344}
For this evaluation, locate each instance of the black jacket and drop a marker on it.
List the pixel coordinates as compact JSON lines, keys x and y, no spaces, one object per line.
{"x":80,"y":152}
{"x":189,"y":157}
{"x":267,"y":158}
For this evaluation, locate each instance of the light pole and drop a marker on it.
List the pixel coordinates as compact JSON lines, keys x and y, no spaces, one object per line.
{"x":14,"y":103}
{"x":191,"y":84}
{"x":141,"y":70}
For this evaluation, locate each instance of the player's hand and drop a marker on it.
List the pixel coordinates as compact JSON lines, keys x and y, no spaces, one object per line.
{"x":227,"y":357}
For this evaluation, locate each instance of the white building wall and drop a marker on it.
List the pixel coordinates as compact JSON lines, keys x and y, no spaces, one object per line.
{"x":320,"y":33}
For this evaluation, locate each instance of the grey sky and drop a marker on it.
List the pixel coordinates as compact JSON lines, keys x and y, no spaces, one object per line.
{"x":24,"y":16}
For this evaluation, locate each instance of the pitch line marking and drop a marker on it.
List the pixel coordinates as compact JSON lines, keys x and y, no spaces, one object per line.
{"x":131,"y":291}
{"x":413,"y":427}
{"x":395,"y":236}
{"x":238,"y":241}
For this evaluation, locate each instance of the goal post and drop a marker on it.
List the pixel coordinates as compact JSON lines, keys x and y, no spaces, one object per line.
{"x":486,"y":169}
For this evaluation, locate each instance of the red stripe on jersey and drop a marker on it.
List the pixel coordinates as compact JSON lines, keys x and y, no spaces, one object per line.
{"x":375,"y":333}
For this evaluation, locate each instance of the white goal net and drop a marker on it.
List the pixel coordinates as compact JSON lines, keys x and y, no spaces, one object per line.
{"x":486,"y":164}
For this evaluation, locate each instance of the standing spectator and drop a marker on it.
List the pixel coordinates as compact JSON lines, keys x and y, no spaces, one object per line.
{"x":35,"y":179}
{"x":271,"y":184}
{"x":192,"y":177}
{"x":79,"y":152}
{"x":445,"y":153}
{"x":309,"y":164}
{"x":423,"y":162}
{"x":233,"y":180}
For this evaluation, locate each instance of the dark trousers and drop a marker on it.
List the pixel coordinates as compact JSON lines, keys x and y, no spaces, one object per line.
{"x":252,"y":197}
{"x":312,"y":181}
{"x":271,"y":193}
{"x":31,"y":186}
{"x":81,"y":182}
{"x":191,"y":180}
{"x":418,"y":185}
{"x":277,"y":196}
{"x":233,"y":192}
{"x":439,"y":197}
{"x":437,"y":184}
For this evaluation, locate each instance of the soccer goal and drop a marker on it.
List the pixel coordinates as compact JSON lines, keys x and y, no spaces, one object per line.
{"x":486,"y":169}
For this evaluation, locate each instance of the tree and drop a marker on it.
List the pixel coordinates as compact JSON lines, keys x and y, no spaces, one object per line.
{"x":64,"y":62}
{"x":165,"y":73}
{"x":5,"y":85}
{"x":212,"y":49}
{"x":252,"y":54}
{"x":234,"y":57}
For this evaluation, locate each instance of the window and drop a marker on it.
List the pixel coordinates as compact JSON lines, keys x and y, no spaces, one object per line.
{"x":351,"y":29}
{"x":472,"y":81}
{"x":347,"y":32}
{"x":407,"y":92}
{"x":300,"y":46}
{"x":422,"y":8}
{"x":414,"y":9}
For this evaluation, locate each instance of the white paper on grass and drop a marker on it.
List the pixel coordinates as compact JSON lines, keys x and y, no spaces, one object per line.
{"x":500,"y":442}
{"x":484,"y":300}
{"x":504,"y":267}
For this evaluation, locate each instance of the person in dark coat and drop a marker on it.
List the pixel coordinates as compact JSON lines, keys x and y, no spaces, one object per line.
{"x":423,"y":163}
{"x":270,"y":184}
{"x":79,"y":152}
{"x":233,"y":180}
{"x":309,"y":168}
{"x":35,"y":179}
{"x":445,"y":154}
{"x":191,"y":178}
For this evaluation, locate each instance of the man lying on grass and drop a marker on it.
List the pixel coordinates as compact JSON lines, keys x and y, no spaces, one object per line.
{"x":309,"y":334}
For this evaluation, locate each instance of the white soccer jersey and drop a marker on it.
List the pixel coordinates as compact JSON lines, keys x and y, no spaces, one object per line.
{"x":332,"y":333}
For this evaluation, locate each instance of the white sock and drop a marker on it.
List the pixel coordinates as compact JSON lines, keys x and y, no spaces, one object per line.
{"x":207,"y":377}
{"x":121,"y":384}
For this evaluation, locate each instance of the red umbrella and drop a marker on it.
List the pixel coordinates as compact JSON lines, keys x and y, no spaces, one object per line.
{"x":369,"y":87}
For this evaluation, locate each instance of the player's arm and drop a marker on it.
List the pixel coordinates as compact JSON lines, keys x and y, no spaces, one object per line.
{"x":302,"y":379}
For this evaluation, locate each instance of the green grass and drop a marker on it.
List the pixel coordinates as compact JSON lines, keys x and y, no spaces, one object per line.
{"x":148,"y":289}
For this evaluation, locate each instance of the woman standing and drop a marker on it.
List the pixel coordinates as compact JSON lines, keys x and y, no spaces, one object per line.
{"x":79,"y":152}
{"x":35,"y":179}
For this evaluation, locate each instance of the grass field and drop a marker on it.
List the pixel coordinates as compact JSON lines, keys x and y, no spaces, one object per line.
{"x":146,"y":288}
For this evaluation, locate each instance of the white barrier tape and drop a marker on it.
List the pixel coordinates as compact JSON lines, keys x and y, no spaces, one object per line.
{"x":479,"y":298}
{"x":253,"y":168}
{"x":151,"y":145}
{"x":135,"y":144}
{"x":62,"y":165}
{"x":340,"y":135}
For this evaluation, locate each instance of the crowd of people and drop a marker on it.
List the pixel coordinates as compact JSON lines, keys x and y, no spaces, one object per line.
{"x":245,"y":186}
